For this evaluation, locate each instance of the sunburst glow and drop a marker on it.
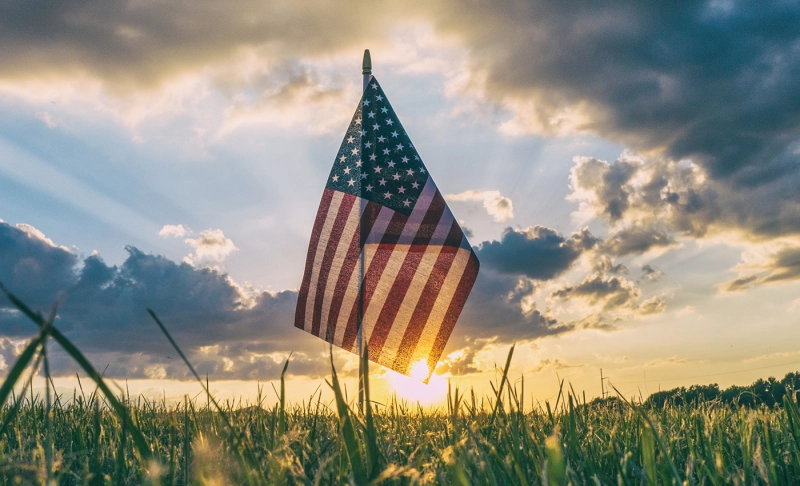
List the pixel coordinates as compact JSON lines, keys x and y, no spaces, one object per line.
{"x":413,"y":387}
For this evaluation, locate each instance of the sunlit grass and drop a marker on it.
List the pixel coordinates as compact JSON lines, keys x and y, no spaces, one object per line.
{"x":99,"y":438}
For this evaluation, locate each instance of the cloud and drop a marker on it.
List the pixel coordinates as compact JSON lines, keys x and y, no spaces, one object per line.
{"x":706,"y":93}
{"x":103,"y":310}
{"x":707,"y":82}
{"x":652,"y":306}
{"x":47,"y":119}
{"x":605,"y":264}
{"x":741,"y":283}
{"x":644,"y":199}
{"x":637,"y":240}
{"x":500,"y":308}
{"x":144,"y":43}
{"x":782,"y":265}
{"x":552,"y":365}
{"x":712,"y":83}
{"x":651,"y":273}
{"x":35,"y":234}
{"x":499,"y":207}
{"x":33,"y":266}
{"x":610,"y":293}
{"x":672,"y":360}
{"x":211,"y":246}
{"x":662,"y":199}
{"x":536,"y":252}
{"x":225,"y":330}
{"x":174,"y":231}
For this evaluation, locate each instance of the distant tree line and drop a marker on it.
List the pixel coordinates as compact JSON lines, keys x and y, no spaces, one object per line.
{"x":769,"y":392}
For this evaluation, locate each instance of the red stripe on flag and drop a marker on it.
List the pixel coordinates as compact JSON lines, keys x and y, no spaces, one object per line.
{"x":368,"y":218}
{"x":459,"y":299}
{"x":428,"y":298}
{"x":330,"y":251}
{"x":403,"y":281}
{"x":322,"y":213}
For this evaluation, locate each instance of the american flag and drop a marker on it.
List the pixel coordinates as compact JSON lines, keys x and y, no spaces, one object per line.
{"x":418,"y":267}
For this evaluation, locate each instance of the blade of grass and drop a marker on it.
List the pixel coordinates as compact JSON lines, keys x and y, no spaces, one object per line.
{"x":370,"y":432}
{"x":503,"y":380}
{"x":282,"y":416}
{"x":66,"y":344}
{"x":348,"y":430}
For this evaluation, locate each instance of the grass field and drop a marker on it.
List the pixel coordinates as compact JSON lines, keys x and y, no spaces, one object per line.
{"x":103,"y":438}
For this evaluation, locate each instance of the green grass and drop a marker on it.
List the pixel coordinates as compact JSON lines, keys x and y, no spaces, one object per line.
{"x":99,"y":438}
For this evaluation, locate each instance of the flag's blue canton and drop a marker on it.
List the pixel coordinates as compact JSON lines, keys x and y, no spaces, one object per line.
{"x":377,"y":160}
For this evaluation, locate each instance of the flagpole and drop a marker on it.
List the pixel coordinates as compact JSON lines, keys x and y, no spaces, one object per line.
{"x":366,"y":71}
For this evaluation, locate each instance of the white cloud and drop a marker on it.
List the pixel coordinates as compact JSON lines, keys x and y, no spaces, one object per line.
{"x":38,"y":235}
{"x":155,"y":372}
{"x":35,"y":233}
{"x":652,"y":306}
{"x":498,"y":206}
{"x":47,"y":118}
{"x":174,"y":230}
{"x":211,"y":246}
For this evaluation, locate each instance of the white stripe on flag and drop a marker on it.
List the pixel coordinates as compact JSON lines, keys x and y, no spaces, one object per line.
{"x":349,"y":232}
{"x":325,"y":234}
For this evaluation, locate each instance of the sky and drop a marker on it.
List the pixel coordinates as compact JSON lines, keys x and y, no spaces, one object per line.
{"x":629,"y":176}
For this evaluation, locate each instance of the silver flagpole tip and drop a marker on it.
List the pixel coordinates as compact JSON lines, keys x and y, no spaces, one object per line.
{"x":366,"y":64}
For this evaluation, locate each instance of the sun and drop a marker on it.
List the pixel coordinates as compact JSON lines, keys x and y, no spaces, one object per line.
{"x":413,"y":389}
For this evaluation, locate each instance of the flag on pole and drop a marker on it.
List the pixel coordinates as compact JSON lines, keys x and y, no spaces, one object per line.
{"x":385,"y":249}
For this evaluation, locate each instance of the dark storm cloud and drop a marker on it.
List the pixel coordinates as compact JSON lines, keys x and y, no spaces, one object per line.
{"x":103,"y":309}
{"x":711,"y":81}
{"x":494,"y":310}
{"x":539,"y":253}
{"x":33,"y":264}
{"x":144,"y":42}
